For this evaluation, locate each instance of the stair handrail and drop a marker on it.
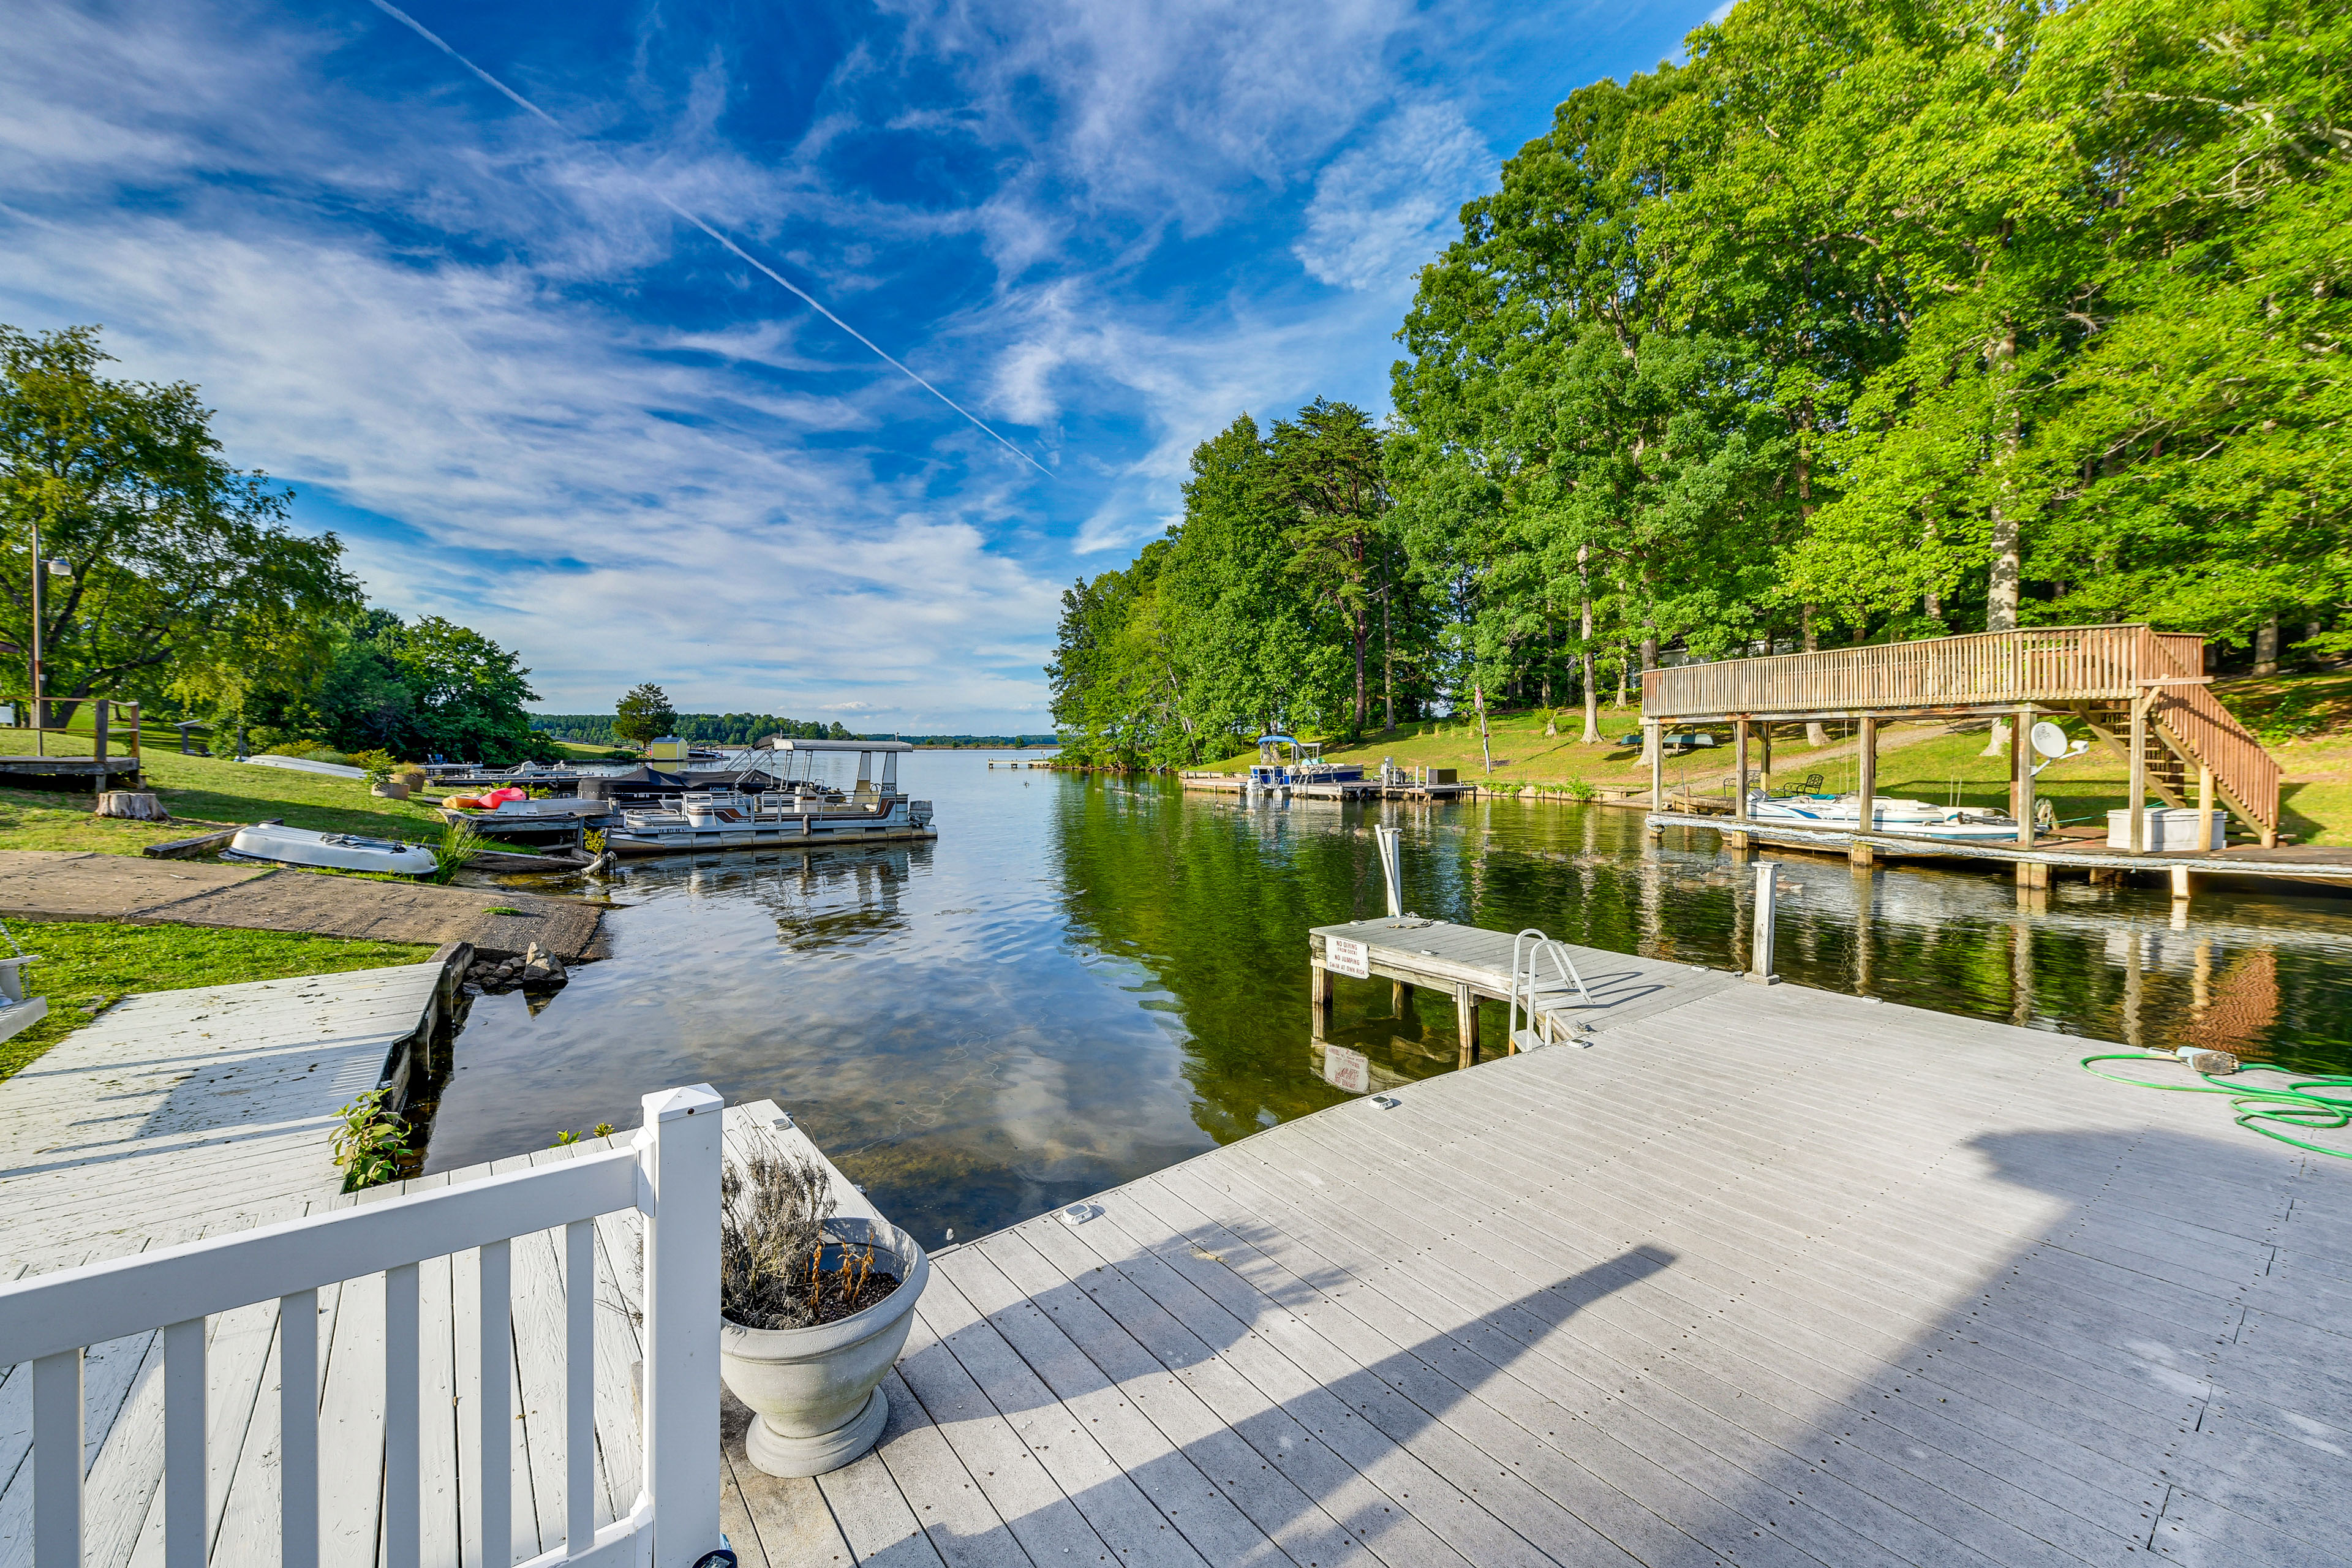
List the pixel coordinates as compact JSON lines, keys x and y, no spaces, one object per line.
{"x":2193,"y":722}
{"x":1523,"y":967}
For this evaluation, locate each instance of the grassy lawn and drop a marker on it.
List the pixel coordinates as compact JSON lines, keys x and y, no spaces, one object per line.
{"x":85,"y":965}
{"x":209,"y":791}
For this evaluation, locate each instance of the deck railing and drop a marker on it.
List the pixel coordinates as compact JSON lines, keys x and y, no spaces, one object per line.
{"x":2197,"y":726}
{"x":2046,"y":666}
{"x":670,"y":1176}
{"x":112,"y":724}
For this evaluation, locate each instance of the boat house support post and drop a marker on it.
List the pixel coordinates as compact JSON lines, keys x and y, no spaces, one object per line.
{"x":1657,"y":753}
{"x":1739,"y":745}
{"x":1860,"y":852}
{"x":1764,"y":735}
{"x":2205,"y":808}
{"x":2137,"y":804}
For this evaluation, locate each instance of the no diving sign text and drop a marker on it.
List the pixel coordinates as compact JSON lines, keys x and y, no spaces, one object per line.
{"x":1344,"y":955}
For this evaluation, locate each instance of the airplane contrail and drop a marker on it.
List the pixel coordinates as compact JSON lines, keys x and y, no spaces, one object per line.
{"x":398,"y":15}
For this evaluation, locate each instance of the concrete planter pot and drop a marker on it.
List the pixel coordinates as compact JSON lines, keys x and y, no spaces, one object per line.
{"x":391,"y":789}
{"x":817,"y":1391}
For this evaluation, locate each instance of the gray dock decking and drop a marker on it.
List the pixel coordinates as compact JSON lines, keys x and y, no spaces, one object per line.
{"x":1769,"y":1276}
{"x":1765,"y":1276}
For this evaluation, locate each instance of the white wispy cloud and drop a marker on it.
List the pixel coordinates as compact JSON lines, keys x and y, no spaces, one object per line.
{"x":1388,"y":203}
{"x":538,"y":404}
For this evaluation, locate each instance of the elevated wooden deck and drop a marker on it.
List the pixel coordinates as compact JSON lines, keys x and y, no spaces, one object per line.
{"x":2140,"y":690}
{"x":1766,"y":1276}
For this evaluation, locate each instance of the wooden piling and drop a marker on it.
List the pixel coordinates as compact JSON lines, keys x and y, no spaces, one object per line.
{"x":1400,"y":998}
{"x":2021,"y":764}
{"x":1319,"y":997}
{"x":2137,"y":804}
{"x":1739,"y":741}
{"x":1466,"y":1022}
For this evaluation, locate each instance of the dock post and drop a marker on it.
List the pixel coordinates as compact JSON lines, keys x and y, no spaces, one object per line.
{"x":1400,"y":998}
{"x":2137,"y":804}
{"x":1739,"y":741}
{"x":1318,"y":996}
{"x":1866,"y":785}
{"x":1466,"y":1022}
{"x":2033,"y":873}
{"x":2021,"y":764}
{"x":1759,"y":928}
{"x":2180,"y":884}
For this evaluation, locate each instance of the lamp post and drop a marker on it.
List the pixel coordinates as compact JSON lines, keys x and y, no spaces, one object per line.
{"x":39,"y":747}
{"x":57,"y":568}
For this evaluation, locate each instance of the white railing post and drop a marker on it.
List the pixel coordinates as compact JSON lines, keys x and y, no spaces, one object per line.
{"x":678,"y":1156}
{"x":57,"y":1460}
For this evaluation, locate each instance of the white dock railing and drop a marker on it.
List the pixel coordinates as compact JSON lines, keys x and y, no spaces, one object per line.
{"x":670,"y":1176}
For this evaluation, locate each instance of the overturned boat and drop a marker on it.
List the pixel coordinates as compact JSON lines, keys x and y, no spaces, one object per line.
{"x":782,"y":805}
{"x":333,"y":851}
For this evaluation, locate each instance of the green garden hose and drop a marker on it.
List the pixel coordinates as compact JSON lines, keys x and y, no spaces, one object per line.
{"x":2300,"y":1104}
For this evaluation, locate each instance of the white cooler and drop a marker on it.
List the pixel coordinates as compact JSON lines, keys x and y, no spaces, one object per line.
{"x":2172,"y":830}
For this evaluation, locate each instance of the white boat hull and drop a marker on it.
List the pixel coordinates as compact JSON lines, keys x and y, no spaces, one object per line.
{"x":330,"y":851}
{"x":741,"y":824}
{"x":1910,"y":818}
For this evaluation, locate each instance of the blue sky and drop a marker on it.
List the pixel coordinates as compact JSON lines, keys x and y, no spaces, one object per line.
{"x":489,"y":353}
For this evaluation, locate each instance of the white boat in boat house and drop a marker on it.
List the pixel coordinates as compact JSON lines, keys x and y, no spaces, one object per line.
{"x":790,"y":807}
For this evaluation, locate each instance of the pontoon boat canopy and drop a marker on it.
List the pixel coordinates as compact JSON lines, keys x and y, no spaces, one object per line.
{"x":793,"y":743}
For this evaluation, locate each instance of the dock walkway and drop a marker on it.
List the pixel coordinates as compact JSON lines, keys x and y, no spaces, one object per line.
{"x":1766,"y":1276}
{"x":70,"y":885}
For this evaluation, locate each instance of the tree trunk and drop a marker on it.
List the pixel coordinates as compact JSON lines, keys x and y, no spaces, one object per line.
{"x":2266,"y":646}
{"x":1363,"y":699}
{"x":138,"y":805}
{"x":1387,"y":661}
{"x":2002,"y":590}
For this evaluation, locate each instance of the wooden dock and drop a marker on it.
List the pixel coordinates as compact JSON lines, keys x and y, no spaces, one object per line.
{"x":1342,"y":790}
{"x":2033,"y":866}
{"x":1766,"y":1276}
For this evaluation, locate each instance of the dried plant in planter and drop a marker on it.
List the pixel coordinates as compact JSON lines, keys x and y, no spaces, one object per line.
{"x":777,"y":1267}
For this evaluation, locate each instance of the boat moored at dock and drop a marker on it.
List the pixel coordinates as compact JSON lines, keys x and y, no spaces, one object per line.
{"x":795,"y":810}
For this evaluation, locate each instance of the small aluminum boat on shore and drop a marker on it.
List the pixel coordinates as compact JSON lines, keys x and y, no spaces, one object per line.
{"x":333,"y":851}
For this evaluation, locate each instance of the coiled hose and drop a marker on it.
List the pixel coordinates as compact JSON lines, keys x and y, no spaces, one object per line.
{"x":2301,"y":1104}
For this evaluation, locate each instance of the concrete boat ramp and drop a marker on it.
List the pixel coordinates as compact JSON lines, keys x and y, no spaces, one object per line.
{"x":1763,"y":1276}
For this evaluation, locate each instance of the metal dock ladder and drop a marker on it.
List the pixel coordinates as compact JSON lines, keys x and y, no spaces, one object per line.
{"x":1540,"y":997}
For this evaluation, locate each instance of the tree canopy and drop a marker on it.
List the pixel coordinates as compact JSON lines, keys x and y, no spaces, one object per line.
{"x":1868,"y":321}
{"x":182,"y":578}
{"x":644,"y":714}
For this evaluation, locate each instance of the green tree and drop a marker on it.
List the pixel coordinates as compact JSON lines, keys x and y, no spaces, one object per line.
{"x":183,"y":576}
{"x":643,"y":715}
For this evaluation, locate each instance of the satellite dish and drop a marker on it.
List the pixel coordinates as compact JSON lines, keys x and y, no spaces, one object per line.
{"x":2048,"y":740}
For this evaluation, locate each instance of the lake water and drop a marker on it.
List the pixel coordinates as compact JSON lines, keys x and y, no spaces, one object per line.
{"x":1087,"y":979}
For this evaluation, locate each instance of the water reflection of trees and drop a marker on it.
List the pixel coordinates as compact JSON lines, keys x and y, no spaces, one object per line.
{"x":1215,"y":897}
